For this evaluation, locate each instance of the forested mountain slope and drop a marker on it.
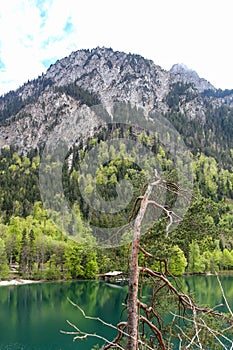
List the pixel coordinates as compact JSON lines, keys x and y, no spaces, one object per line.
{"x":88,"y":85}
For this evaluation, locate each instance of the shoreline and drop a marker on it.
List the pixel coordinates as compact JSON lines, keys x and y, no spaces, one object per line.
{"x":16,"y":282}
{"x":21,"y":281}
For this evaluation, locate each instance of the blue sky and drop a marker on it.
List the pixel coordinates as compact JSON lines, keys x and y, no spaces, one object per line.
{"x":35,"y":33}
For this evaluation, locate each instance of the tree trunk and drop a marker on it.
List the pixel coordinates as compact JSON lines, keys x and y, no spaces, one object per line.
{"x":132,"y":303}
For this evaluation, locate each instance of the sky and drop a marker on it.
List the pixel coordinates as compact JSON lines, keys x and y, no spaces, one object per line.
{"x":36,"y":33}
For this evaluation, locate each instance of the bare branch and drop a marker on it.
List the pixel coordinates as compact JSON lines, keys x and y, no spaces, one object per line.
{"x":155,"y":330}
{"x":94,"y":318}
{"x":186,"y":336}
{"x":215,"y":333}
{"x":149,"y":310}
{"x":223,"y":294}
{"x":83,"y":335}
{"x":169,"y":214}
{"x":174,"y":188}
{"x":145,"y":252}
{"x":119,"y":336}
{"x":183,"y":298}
{"x":134,"y":208}
{"x":196,"y":335}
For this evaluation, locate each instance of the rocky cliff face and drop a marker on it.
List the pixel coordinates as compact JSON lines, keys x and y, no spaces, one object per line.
{"x":115,"y":76}
{"x":29,"y":114}
{"x":180,"y":72}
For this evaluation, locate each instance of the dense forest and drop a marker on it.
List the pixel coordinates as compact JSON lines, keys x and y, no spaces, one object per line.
{"x":32,"y":246}
{"x":211,"y":133}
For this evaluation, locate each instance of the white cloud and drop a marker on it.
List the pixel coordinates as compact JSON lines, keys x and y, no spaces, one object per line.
{"x":195,"y":32}
{"x":26,"y":29}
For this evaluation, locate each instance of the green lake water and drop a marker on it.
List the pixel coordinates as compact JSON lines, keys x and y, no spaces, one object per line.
{"x":31,"y":316}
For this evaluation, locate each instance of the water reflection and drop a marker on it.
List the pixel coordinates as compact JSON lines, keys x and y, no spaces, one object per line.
{"x":208,"y":291}
{"x":32,"y":315}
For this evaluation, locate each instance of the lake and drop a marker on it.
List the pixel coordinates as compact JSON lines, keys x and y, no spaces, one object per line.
{"x":31,"y":316}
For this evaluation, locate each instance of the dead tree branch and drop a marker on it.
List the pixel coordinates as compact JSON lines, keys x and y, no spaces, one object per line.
{"x":83,"y":335}
{"x":130,"y":328}
{"x":184,"y":299}
{"x":155,"y":330}
{"x":121,"y":326}
{"x":224,"y":297}
{"x":202,"y":324}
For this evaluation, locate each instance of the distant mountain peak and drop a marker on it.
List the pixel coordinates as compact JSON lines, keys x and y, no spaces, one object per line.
{"x":179,"y":67}
{"x":180,"y":72}
{"x":101,"y":76}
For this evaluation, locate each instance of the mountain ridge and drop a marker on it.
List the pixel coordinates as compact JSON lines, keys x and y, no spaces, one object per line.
{"x":103,"y":76}
{"x":79,"y":56}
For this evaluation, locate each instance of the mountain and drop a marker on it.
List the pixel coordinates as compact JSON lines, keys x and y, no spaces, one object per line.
{"x":200,"y":112}
{"x":180,"y":72}
{"x":76,"y":99}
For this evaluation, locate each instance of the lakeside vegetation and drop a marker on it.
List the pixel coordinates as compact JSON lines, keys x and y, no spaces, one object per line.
{"x":202,"y":243}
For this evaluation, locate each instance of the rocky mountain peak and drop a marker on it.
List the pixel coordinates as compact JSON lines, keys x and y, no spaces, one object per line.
{"x":113,"y":75}
{"x":101,"y":76}
{"x":180,"y":72}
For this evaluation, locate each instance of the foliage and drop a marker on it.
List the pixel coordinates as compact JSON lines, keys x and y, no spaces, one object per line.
{"x":4,"y":268}
{"x":13,"y":102}
{"x":177,"y":262}
{"x":77,"y":92}
{"x":32,"y":240}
